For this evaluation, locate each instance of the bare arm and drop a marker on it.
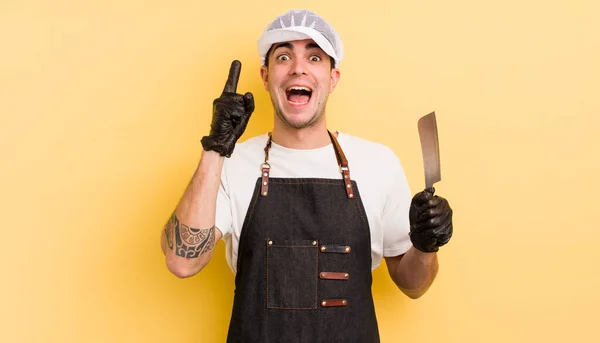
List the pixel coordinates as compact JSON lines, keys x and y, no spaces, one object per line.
{"x":430,"y":228}
{"x":413,"y":272}
{"x":189,"y":236}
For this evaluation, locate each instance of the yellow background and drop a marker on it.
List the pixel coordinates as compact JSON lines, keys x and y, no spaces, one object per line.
{"x":103,"y":104}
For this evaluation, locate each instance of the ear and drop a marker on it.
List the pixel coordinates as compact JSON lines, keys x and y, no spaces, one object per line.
{"x":264,"y":75}
{"x":335,"y":78}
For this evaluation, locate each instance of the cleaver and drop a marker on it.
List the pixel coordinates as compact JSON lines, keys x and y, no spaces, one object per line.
{"x":431,"y":149}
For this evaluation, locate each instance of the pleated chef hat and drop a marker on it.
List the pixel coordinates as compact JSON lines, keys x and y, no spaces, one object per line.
{"x":299,"y":25}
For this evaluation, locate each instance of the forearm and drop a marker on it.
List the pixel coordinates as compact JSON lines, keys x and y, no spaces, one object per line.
{"x":413,"y":272}
{"x":189,"y":236}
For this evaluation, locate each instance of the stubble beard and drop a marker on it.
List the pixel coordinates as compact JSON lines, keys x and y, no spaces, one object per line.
{"x":316,"y":117}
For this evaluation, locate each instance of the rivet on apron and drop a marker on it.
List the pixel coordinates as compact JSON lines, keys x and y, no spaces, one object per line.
{"x":344,"y":302}
{"x":324,"y":303}
{"x":265,"y":177}
{"x":346,"y":275}
{"x":270,"y":243}
{"x":322,"y":275}
{"x":323,"y":248}
{"x":348,"y":185}
{"x":347,"y":249}
{"x":314,"y":242}
{"x":351,"y":195}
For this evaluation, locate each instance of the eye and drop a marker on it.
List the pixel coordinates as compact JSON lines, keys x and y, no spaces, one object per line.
{"x":283,"y":58}
{"x":315,"y":58}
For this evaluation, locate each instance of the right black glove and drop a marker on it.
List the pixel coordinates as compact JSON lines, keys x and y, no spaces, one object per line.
{"x":430,"y":221}
{"x":231,"y":112}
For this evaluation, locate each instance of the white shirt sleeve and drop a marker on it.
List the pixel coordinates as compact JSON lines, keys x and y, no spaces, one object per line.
{"x":223,"y":219}
{"x":395,"y":221}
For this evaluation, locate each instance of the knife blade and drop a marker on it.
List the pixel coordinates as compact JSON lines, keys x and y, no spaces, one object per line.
{"x":430,"y":148}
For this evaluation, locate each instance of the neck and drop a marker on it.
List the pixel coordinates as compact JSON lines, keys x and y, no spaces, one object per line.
{"x":311,"y":137}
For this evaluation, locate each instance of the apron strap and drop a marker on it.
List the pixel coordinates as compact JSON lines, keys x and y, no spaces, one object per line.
{"x":339,"y":154}
{"x":265,"y":169}
{"x":343,"y":163}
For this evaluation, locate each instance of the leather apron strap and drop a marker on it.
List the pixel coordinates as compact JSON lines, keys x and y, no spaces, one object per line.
{"x":339,"y":154}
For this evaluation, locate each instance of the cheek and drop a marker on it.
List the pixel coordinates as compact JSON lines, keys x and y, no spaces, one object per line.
{"x":328,"y":84}
{"x":273,"y":80}
{"x":273,"y":86}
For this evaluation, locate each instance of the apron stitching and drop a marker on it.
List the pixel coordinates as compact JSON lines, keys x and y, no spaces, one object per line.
{"x":307,"y":183}
{"x":267,"y":279}
{"x":292,"y":308}
{"x":362,"y":216}
{"x":293,"y":246}
{"x":317,"y":279}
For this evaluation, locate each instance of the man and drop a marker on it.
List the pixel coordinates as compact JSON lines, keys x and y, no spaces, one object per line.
{"x":303,"y":234}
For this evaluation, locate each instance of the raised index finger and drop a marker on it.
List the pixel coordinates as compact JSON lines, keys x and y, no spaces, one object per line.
{"x":234,"y":77}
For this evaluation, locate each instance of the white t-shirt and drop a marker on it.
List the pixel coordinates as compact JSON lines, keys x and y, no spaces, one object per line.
{"x":382,"y":185}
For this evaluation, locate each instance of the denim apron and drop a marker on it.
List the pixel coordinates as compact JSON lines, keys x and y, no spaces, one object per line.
{"x":304,"y":262}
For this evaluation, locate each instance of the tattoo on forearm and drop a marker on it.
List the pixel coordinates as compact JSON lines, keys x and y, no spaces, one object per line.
{"x":191,"y":242}
{"x":169,"y":228}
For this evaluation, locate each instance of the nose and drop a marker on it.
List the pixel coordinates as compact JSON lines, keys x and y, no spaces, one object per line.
{"x":298,"y":67}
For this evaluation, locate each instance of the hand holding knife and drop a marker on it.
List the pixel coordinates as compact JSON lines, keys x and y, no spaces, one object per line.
{"x":430,"y":215}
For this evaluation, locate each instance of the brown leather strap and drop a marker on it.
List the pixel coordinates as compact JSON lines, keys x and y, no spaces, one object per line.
{"x":265,"y":169}
{"x":340,"y":249}
{"x":334,"y":276}
{"x":343,"y":162}
{"x":265,"y":179}
{"x":339,"y":154}
{"x":334,"y":302}
{"x":268,"y":147}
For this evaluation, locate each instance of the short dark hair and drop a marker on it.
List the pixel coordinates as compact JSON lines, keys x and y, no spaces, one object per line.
{"x":331,"y":60}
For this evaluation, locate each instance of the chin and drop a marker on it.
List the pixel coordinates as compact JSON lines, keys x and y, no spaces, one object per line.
{"x":300,"y":120}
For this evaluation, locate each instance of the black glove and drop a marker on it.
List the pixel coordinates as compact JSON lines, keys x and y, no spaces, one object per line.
{"x":430,"y":221}
{"x":231,"y":112}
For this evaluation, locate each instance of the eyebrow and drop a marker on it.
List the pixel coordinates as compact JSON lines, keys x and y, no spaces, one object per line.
{"x":312,"y":46}
{"x":291,"y":47}
{"x":283,"y":45}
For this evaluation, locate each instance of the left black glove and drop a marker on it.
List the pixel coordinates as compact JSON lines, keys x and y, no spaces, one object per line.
{"x":231,"y":112}
{"x":430,"y":221}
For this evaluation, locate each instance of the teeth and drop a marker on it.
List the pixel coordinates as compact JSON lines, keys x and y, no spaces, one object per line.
{"x":299,"y":88}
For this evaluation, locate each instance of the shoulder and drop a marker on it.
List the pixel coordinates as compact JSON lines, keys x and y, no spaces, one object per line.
{"x":248,"y":149}
{"x":252,"y":143}
{"x":246,"y":155}
{"x":361,"y":150}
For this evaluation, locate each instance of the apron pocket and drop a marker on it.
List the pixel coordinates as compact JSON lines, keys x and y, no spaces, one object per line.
{"x":292,"y":274}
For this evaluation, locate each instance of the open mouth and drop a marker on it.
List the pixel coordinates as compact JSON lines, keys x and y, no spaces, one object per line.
{"x":298,"y":95}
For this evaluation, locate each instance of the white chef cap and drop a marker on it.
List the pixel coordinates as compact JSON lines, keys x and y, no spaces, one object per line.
{"x":299,"y":25}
